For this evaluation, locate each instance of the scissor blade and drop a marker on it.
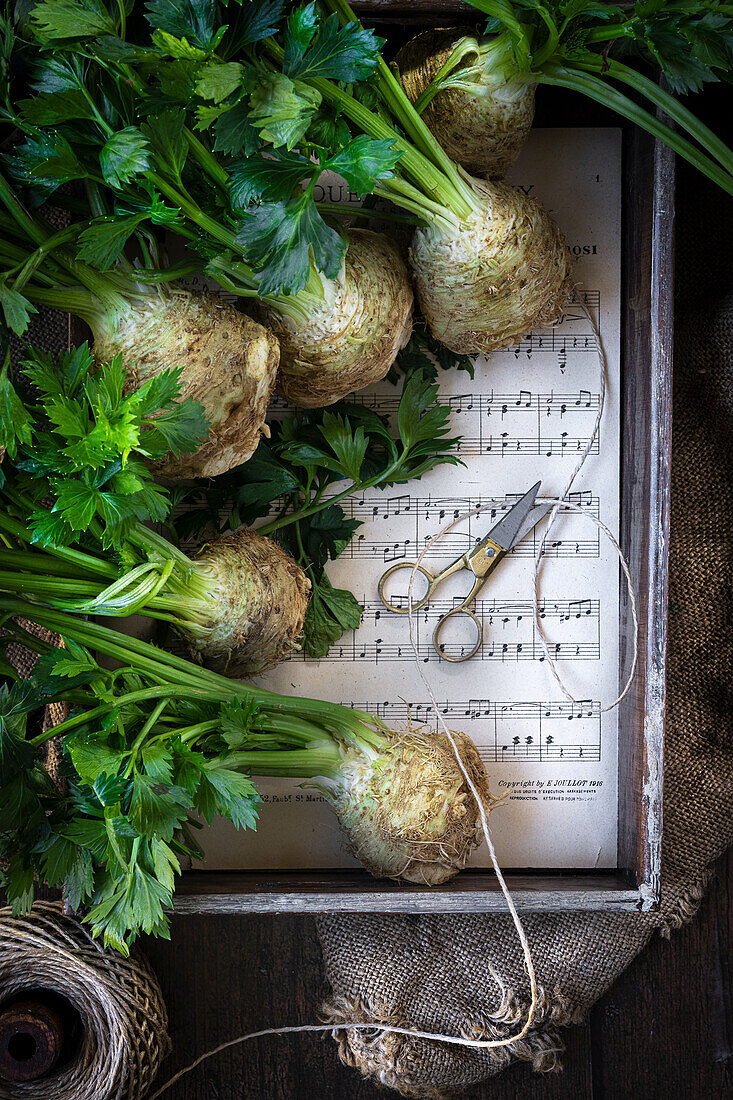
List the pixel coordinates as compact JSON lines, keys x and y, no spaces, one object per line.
{"x":538,"y":513}
{"x":507,"y":531}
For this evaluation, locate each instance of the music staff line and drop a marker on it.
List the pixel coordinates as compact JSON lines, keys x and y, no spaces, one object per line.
{"x":557,"y":339}
{"x":509,"y":632}
{"x":482,"y":412}
{"x":552,"y":739}
{"x":440,"y":510}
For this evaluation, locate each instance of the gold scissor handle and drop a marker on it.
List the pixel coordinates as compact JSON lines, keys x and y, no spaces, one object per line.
{"x":461,"y":610}
{"x":416,"y":604}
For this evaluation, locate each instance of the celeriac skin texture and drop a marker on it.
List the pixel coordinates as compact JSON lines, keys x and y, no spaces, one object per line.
{"x":505,"y":272}
{"x":410,"y":814}
{"x":483,"y":131}
{"x":354,"y":337}
{"x":258,"y":595}
{"x":229,"y":365}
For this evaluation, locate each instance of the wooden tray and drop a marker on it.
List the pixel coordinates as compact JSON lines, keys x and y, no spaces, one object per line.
{"x":647,"y":310}
{"x":647,"y":305}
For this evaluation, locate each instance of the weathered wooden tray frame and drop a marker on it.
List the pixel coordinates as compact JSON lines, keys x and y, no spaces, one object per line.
{"x":647,"y":297}
{"x":635,"y":884}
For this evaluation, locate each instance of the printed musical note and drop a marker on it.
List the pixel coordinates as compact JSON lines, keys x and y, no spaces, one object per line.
{"x":543,"y":733}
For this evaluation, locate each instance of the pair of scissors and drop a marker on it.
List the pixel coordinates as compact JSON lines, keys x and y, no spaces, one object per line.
{"x":481,"y":561}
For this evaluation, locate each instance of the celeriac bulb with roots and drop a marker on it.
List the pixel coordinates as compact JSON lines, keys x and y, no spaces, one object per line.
{"x":351,"y":336}
{"x":228,"y":364}
{"x":504,"y":270}
{"x":471,"y":96}
{"x":252,"y":597}
{"x":405,"y":807}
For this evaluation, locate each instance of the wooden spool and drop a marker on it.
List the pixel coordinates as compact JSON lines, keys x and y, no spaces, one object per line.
{"x":31,"y":1040}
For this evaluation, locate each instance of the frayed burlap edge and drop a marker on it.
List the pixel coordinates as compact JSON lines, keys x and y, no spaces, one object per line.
{"x":386,"y":1058}
{"x":685,"y":907}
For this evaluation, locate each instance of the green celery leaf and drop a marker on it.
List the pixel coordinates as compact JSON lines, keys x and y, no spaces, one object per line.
{"x":109,"y":789}
{"x":104,"y":391}
{"x":330,"y":613}
{"x":165,"y":863}
{"x":301,"y":27}
{"x":58,"y":19}
{"x":258,"y":21}
{"x":684,"y":72}
{"x":178,"y":79}
{"x":126,"y":482}
{"x":16,"y":308}
{"x":156,"y":808}
{"x":309,"y":456}
{"x":124,"y":155}
{"x":101,"y":244}
{"x":113,"y":49}
{"x":234,"y":131}
{"x":147,"y":897}
{"x":46,"y":160}
{"x":192,"y":20}
{"x":77,"y":503}
{"x":228,"y":793}
{"x":119,"y":515}
{"x":273,"y":179}
{"x":79,"y":882}
{"x":425,"y":353}
{"x":157,"y":760}
{"x":348,"y":445}
{"x":166,"y":134}
{"x":236,"y":722}
{"x":46,"y":110}
{"x":363,"y":161}
{"x":348,"y":53}
{"x":282,"y":110}
{"x":61,"y":379}
{"x":92,"y":756}
{"x":68,"y":417}
{"x":16,"y":755}
{"x":278,"y":240}
{"x":177,"y":48}
{"x":57,"y":74}
{"x":18,"y":881}
{"x":58,"y":858}
{"x":67,"y":663}
{"x":328,"y":130}
{"x":16,"y":423}
{"x":328,"y":532}
{"x":49,"y":529}
{"x":89,"y":833}
{"x":413,"y":419}
{"x":218,"y":81}
{"x":180,"y":429}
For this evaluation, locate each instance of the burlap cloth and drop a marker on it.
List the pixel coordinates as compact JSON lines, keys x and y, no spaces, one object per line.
{"x":464,"y":975}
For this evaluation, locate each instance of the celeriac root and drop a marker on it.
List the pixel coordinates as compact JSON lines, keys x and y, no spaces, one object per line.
{"x":409,"y":814}
{"x":505,"y":272}
{"x":353,"y":338}
{"x":482,"y":130}
{"x":259,"y":596}
{"x":229,"y":365}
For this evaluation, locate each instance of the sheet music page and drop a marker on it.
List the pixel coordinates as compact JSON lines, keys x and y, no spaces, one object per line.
{"x":524,"y":418}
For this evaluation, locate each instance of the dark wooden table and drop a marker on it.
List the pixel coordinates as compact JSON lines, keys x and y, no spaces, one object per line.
{"x":663,"y":1032}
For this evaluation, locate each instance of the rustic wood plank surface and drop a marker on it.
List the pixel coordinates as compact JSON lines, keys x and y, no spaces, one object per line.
{"x":664,"y":1031}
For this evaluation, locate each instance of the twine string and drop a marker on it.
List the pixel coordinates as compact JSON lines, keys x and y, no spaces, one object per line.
{"x":123,"y":1033}
{"x":560,"y":505}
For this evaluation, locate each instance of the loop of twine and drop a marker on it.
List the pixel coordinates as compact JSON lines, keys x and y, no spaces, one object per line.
{"x":559,"y":503}
{"x":124,"y":1022}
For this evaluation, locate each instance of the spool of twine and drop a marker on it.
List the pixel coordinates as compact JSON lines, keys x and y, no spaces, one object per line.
{"x":123,"y":1032}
